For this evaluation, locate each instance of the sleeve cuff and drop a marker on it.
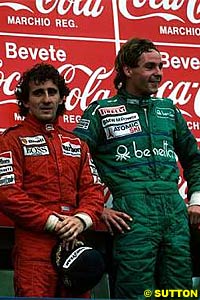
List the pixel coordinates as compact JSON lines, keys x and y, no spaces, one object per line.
{"x":195,"y":199}
{"x":51,"y":223}
{"x":85,"y":218}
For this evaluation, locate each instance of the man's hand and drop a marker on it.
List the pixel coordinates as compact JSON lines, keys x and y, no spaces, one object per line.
{"x":194,"y":215}
{"x":115,"y":220}
{"x":69,"y":228}
{"x":68,"y":246}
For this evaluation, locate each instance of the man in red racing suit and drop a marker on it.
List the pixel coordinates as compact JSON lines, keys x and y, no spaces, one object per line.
{"x":49,"y":186}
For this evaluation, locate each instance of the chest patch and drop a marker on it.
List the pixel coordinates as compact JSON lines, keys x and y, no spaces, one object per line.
{"x":6,"y":169}
{"x":70,"y":147}
{"x":119,"y":119}
{"x":36,"y":150}
{"x":34,"y":145}
{"x":113,"y":110}
{"x":122,"y":129}
{"x":33,"y":140}
{"x":165,"y":113}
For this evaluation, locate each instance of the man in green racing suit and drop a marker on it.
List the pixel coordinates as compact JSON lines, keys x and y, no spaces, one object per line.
{"x":135,"y":140}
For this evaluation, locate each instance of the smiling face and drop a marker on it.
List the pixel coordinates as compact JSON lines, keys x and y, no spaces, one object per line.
{"x":44,"y":99}
{"x":144,"y":79}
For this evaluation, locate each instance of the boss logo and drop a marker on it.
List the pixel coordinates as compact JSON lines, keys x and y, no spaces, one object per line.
{"x":36,"y":151}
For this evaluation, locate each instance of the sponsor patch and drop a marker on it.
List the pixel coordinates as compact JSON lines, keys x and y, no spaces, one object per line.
{"x":70,"y":147}
{"x":6,"y":158}
{"x":164,"y":151}
{"x":122,"y":130}
{"x":119,"y":119}
{"x":83,"y":123}
{"x":6,"y":169}
{"x":36,"y":150}
{"x":165,"y":113}
{"x":94,"y":171}
{"x":122,"y":153}
{"x":7,"y":179}
{"x":113,"y":110}
{"x":33,"y":140}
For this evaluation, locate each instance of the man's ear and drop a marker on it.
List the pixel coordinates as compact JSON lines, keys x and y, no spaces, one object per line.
{"x":26,"y":104}
{"x":128,"y":71}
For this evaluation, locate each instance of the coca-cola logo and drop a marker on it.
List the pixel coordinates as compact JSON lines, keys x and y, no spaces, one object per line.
{"x":62,"y":7}
{"x":77,"y":7}
{"x":92,"y":87}
{"x":168,"y":10}
{"x":182,"y":93}
{"x":80,"y":97}
{"x":165,"y":9}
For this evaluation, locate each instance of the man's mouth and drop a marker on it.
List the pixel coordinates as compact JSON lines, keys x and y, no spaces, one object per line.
{"x":155,"y":80}
{"x":46,"y":108}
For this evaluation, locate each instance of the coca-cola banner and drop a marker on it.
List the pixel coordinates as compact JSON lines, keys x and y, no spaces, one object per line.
{"x":82,"y":37}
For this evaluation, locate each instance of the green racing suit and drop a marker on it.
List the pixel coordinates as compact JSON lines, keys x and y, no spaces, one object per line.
{"x":136,"y":143}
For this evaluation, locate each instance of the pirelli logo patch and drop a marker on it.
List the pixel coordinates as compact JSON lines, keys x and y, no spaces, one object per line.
{"x":113,"y":110}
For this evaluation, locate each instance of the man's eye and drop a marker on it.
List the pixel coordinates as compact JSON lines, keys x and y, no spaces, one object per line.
{"x":149,"y":67}
{"x":52,"y":91}
{"x":37,"y":92}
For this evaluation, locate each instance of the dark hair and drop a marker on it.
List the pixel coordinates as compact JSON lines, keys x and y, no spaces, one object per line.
{"x":39,"y":74}
{"x":129,"y":55}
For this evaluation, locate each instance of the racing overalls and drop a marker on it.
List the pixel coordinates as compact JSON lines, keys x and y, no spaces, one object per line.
{"x":44,"y":169}
{"x":135,"y":144}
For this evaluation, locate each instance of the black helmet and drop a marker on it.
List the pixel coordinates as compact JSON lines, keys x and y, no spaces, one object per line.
{"x":80,"y":269}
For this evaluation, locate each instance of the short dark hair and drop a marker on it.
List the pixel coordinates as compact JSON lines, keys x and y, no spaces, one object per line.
{"x":40,"y":73}
{"x":129,"y":55}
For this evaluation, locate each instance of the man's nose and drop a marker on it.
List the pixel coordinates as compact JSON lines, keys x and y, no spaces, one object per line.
{"x":46,"y":96}
{"x":158,"y":71}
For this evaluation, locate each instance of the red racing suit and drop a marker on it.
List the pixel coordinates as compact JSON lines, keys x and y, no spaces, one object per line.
{"x":43,"y":169}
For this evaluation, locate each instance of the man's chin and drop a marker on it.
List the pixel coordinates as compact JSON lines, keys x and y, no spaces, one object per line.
{"x":47,"y":118}
{"x":154,"y":87}
{"x":153,"y":90}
